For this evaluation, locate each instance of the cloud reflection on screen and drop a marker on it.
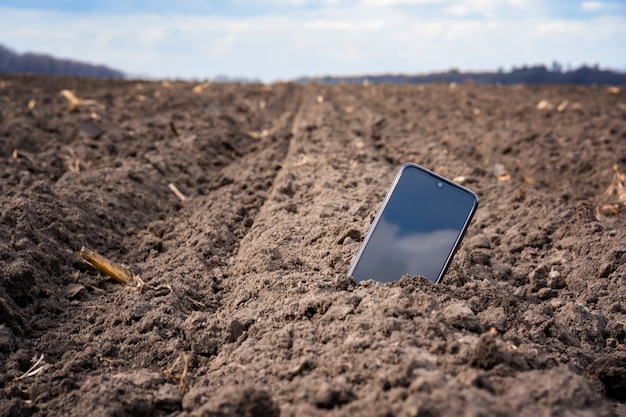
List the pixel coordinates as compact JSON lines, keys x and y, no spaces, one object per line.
{"x":392,"y":253}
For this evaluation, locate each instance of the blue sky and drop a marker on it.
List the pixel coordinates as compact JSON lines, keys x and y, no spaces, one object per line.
{"x":284,"y":39}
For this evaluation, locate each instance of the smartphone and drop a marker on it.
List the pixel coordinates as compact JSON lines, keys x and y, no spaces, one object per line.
{"x":417,"y":229}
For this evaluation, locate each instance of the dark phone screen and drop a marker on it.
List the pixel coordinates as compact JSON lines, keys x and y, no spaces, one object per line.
{"x":418,"y":230}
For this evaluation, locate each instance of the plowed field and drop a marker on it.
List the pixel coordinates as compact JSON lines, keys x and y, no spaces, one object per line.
{"x":240,"y":304}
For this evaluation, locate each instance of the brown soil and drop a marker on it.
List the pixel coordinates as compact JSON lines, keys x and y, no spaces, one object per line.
{"x":246,"y":309}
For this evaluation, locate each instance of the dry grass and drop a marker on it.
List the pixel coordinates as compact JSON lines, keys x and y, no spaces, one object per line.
{"x":107,"y":267}
{"x":182,"y":376}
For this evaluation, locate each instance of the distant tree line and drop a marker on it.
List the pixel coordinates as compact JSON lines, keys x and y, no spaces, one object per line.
{"x":39,"y":64}
{"x":540,"y":74}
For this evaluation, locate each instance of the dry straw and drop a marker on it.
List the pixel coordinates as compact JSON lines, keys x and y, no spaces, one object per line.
{"x":102,"y":264}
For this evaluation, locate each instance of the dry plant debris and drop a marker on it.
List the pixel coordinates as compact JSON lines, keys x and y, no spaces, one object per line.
{"x":17,"y":155}
{"x":74,"y":102}
{"x":181,"y":377}
{"x":258,"y":135}
{"x":614,"y":197}
{"x":500,"y":172}
{"x":102,"y":264}
{"x":176,"y":191}
{"x":180,"y":138}
{"x":608,"y":209}
{"x":33,"y":370}
{"x":201,"y":87}
{"x":529,"y":180}
{"x":617,"y":187}
{"x":72,"y":290}
{"x":173,"y":129}
{"x":72,"y":161}
{"x":544,"y":105}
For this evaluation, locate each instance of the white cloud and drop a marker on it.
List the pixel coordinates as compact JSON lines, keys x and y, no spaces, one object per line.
{"x":152,"y":36}
{"x":349,"y":37}
{"x":559,"y":27}
{"x":592,"y":5}
{"x":458,"y":10}
{"x":344,"y":25}
{"x":391,"y":3}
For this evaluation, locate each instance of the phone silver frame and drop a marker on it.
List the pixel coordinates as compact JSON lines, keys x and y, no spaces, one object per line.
{"x":392,"y":188}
